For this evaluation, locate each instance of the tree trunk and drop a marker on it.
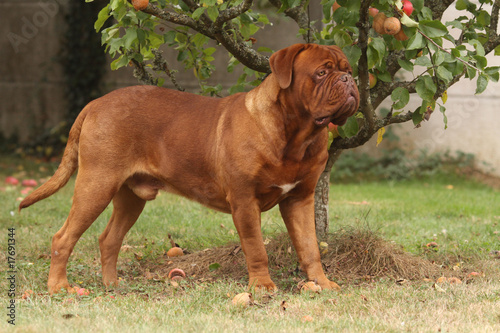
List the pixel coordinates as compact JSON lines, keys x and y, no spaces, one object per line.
{"x":321,"y":197}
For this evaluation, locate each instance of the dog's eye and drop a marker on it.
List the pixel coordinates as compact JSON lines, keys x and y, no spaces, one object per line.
{"x":322,"y":73}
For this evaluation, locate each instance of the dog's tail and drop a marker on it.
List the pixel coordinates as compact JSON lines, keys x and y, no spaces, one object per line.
{"x":68,"y":165}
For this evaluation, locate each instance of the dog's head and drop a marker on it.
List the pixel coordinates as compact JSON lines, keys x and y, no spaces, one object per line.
{"x":318,"y":79}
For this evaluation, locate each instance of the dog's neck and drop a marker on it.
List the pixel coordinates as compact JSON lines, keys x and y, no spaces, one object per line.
{"x":293,"y":131}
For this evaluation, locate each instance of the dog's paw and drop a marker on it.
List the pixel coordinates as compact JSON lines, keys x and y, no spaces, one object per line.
{"x":262,"y":284}
{"x":330,"y":285}
{"x":59,"y":287}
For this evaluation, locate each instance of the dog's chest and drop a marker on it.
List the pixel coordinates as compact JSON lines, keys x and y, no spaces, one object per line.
{"x":278,"y":183}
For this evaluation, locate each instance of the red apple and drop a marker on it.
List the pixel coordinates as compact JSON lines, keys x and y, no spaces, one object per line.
{"x":372,"y":11}
{"x":407,"y":7}
{"x":335,"y":6}
{"x":11,"y":180}
{"x":29,"y":183}
{"x":26,"y":190}
{"x":82,"y":292}
{"x":372,"y":79}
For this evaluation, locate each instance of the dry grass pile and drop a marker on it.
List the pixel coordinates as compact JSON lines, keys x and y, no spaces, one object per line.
{"x":352,"y":255}
{"x":359,"y":253}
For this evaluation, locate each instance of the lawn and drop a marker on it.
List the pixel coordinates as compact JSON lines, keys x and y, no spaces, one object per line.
{"x":458,"y":215}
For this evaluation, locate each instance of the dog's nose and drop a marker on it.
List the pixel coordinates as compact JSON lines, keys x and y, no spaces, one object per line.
{"x":344,"y":77}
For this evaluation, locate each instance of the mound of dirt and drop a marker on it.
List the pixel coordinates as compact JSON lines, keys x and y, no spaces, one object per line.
{"x":351,"y":255}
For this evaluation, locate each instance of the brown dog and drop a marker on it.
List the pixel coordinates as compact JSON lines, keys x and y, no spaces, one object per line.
{"x":242,"y":154}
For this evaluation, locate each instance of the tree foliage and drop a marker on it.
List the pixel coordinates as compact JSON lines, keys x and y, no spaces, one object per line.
{"x":436,"y":55}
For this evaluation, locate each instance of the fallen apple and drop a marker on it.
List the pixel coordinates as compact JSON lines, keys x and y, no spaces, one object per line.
{"x":442,"y":279}
{"x":175,"y":252}
{"x":454,"y":280}
{"x":242,"y":299}
{"x":11,"y":180}
{"x":473,"y":275}
{"x":26,"y":190}
{"x":307,"y":318}
{"x":83,"y":292}
{"x":29,"y":183}
{"x":176,"y":273}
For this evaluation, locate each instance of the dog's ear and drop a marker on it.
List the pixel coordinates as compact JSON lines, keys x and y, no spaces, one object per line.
{"x":281,"y":63}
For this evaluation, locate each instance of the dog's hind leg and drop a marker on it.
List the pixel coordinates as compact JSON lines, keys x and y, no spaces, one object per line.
{"x":90,"y":198}
{"x":127,"y":207}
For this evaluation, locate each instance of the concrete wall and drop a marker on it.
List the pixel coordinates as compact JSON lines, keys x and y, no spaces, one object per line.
{"x":31,"y":80}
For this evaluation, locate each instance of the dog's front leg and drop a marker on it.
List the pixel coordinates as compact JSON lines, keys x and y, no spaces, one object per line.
{"x":246,"y":217}
{"x":298,"y":214}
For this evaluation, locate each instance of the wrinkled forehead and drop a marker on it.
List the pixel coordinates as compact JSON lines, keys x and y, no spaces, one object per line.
{"x":319,"y":55}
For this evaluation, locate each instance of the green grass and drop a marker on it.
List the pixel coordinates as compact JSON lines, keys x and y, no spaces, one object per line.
{"x":462,"y":220}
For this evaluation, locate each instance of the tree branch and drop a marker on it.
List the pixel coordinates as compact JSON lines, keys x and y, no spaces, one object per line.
{"x":298,"y":14}
{"x":233,"y":12}
{"x":238,"y":48}
{"x":365,"y":105}
{"x":160,"y":64}
{"x":173,"y":17}
{"x":438,"y":7}
{"x":493,"y":38}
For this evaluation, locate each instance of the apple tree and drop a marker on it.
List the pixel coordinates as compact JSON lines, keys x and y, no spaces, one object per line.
{"x":399,"y":50}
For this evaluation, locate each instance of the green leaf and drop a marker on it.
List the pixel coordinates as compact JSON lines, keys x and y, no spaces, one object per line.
{"x":462,"y":4}
{"x":123,"y":60}
{"x":353,"y":53}
{"x":444,"y":74}
{"x":423,"y":61}
{"x":129,"y":38}
{"x":213,"y":12}
{"x":484,"y":18}
{"x":384,"y":76}
{"x":478,"y":46}
{"x":445,"y":119}
{"x":400,"y":96}
{"x":376,"y":51}
{"x":482,"y":83}
{"x":455,"y":24}
{"x":198,"y":12}
{"x":471,"y":72}
{"x":406,"y":65}
{"x":410,"y":23}
{"x":438,"y":58}
{"x":342,"y":38}
{"x":481,"y":61}
{"x":497,"y":50}
{"x":214,"y":266}
{"x":433,"y":29}
{"x":169,"y":36}
{"x":493,"y":73}
{"x":426,"y":88}
{"x":101,"y":18}
{"x":350,"y":128}
{"x":417,"y":117}
{"x":416,"y":42}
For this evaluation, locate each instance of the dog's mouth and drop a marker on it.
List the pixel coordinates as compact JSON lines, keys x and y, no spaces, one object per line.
{"x":322,"y":121}
{"x":339,"y":116}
